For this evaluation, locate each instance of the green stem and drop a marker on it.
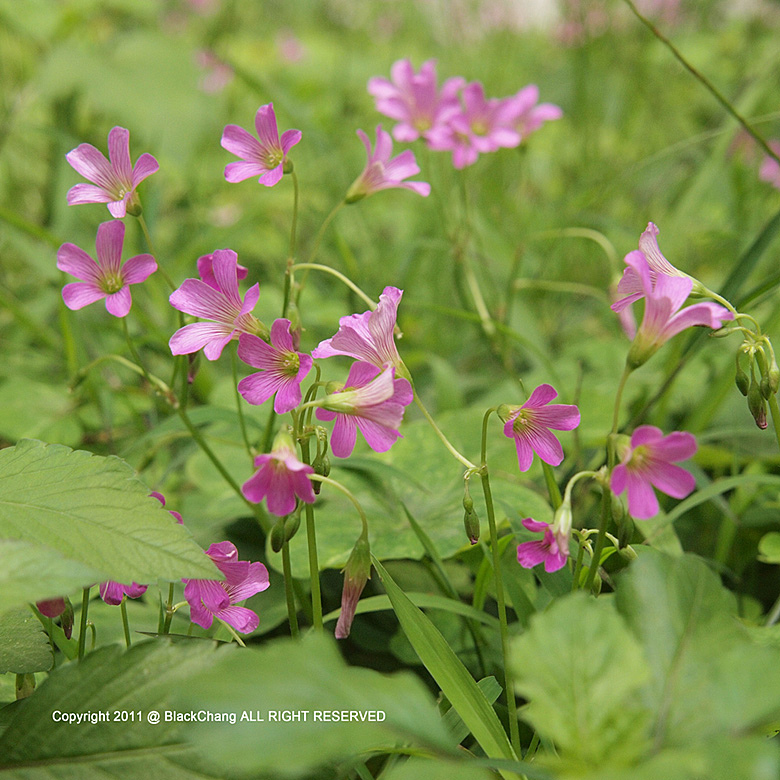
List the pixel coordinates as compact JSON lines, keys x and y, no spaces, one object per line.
{"x":289,"y":592}
{"x":125,"y":624}
{"x":168,"y":610}
{"x":509,"y":688}
{"x":602,"y":537}
{"x":317,"y":242}
{"x":347,"y":493}
{"x":775,"y":412}
{"x":618,"y":398}
{"x":239,"y":404}
{"x":708,"y":85}
{"x":134,"y":352}
{"x":552,"y":485}
{"x":444,"y":440}
{"x":150,"y":244}
{"x":578,"y":564}
{"x":83,"y":622}
{"x":294,"y":214}
{"x":311,"y":539}
{"x":340,"y":276}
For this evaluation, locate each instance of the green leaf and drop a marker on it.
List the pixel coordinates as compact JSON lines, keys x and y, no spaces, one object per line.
{"x":449,"y":673}
{"x":416,"y":768}
{"x":307,"y":678}
{"x":769,"y":548}
{"x":697,"y":652}
{"x":492,"y":690}
{"x":20,"y":574}
{"x":24,"y":646}
{"x":93,"y":511}
{"x":36,"y":746}
{"x":580,"y":668}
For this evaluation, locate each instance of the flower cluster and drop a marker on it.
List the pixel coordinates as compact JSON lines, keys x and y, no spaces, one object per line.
{"x":459,"y":118}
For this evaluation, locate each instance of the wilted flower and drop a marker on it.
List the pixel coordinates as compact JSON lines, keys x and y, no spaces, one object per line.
{"x":356,"y":573}
{"x":283,"y":369}
{"x":367,"y":336}
{"x":114,"y":181}
{"x":107,"y":277}
{"x":264,"y":158}
{"x":414,"y":99}
{"x":279,"y":478}
{"x":382,"y":173}
{"x":213,"y":598}
{"x":647,"y":462}
{"x":371,"y":400}
{"x":221,"y":303}
{"x":530,"y":424}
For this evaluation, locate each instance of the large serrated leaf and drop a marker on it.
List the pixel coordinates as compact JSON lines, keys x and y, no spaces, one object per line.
{"x":24,"y":647}
{"x":93,"y":511}
{"x":38,"y":745}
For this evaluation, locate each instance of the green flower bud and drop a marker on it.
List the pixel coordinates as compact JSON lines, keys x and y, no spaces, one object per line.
{"x":287,"y":166}
{"x":66,"y":619}
{"x":277,"y":535}
{"x":742,"y":380}
{"x":292,"y":524}
{"x":471,"y":524}
{"x":766,"y":388}
{"x":757,"y":405}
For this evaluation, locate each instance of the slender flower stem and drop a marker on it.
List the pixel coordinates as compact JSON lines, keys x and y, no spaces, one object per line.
{"x":347,"y":493}
{"x":134,"y":352}
{"x":775,"y":412}
{"x":618,"y":398}
{"x":150,"y":244}
{"x":239,"y":404}
{"x":289,"y":592}
{"x":294,"y":225}
{"x":125,"y":624}
{"x":83,"y":622}
{"x":317,"y":242}
{"x":311,"y":538}
{"x":705,"y":81}
{"x":445,"y":441}
{"x":511,"y":704}
{"x":578,"y":564}
{"x":168,"y":610}
{"x":340,"y":276}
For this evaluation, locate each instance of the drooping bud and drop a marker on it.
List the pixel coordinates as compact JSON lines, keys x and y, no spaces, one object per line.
{"x":66,"y":620}
{"x":561,"y":526}
{"x":757,"y":404}
{"x":277,"y":535}
{"x":742,"y":380}
{"x":356,"y":573}
{"x":470,"y":519}
{"x":773,"y":375}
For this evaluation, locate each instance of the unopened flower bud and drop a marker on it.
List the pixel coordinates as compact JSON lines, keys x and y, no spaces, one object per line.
{"x":773,"y":375}
{"x":321,"y":466}
{"x":618,"y":510}
{"x":292,"y":524}
{"x":356,"y":573}
{"x":287,"y":166}
{"x":471,"y":522}
{"x":757,"y":405}
{"x":277,"y":535}
{"x":766,"y":388}
{"x":625,"y":532}
{"x":66,"y":619}
{"x":742,"y":380}
{"x":628,"y":553}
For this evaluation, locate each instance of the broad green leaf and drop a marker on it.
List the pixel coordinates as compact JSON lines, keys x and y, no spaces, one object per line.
{"x":449,"y":673}
{"x":697,"y":652}
{"x":37,"y":410}
{"x":92,"y":510}
{"x":20,"y":574}
{"x":24,"y":646}
{"x":580,"y":669}
{"x":308,"y":678}
{"x":37,"y":746}
{"x":416,"y":768}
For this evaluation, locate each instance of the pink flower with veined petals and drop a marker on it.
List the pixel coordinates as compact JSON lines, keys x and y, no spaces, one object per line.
{"x":529,"y":425}
{"x":206,"y":271}
{"x":107,"y":277}
{"x":283,"y":369}
{"x":213,"y":598}
{"x":221,"y":303}
{"x":527,"y":115}
{"x":414,"y":99}
{"x":546,"y":550}
{"x":663,"y":317}
{"x":373,"y":401}
{"x":770,"y":169}
{"x":264,"y":158}
{"x":630,"y":284}
{"x":368,"y":336}
{"x":114,"y":592}
{"x":279,"y":478}
{"x":382,"y":173}
{"x":481,"y":126}
{"x":114,"y":181}
{"x":648,"y":463}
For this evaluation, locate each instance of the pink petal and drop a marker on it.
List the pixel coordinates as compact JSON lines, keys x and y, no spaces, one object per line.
{"x":92,"y":165}
{"x":344,"y":436}
{"x":87,"y":193}
{"x":288,"y":395}
{"x":119,"y":303}
{"x":193,"y":337}
{"x":530,"y":554}
{"x":670,"y":479}
{"x":77,"y":295}
{"x":642,"y":503}
{"x":119,"y":153}
{"x":535,"y":525}
{"x":379,"y":437}
{"x":138,"y":269}
{"x":267,"y":129}
{"x":75,"y":261}
{"x":256,"y":389}
{"x":241,"y":171}
{"x":118,"y":208}
{"x":241,"y":143}
{"x":710,"y":314}
{"x":546,"y":446}
{"x":242,"y":619}
{"x":679,"y":445}
{"x":280,"y":335}
{"x":272,"y":176}
{"x":145,"y":166}
{"x":256,"y":581}
{"x":541,"y":395}
{"x":109,"y":241}
{"x":289,"y":139}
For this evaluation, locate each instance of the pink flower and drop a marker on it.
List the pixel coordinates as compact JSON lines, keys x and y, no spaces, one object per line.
{"x":648,"y":462}
{"x":382,"y":173}
{"x":630,"y":285}
{"x":279,"y":478}
{"x":663,"y":318}
{"x":413,"y":98}
{"x":264,"y":158}
{"x":526,"y":113}
{"x":113,"y":592}
{"x":206,"y":271}
{"x":218,"y":301}
{"x":114,"y":181}
{"x":368,"y":336}
{"x":51,"y":608}
{"x":547,"y":550}
{"x":481,"y":126}
{"x":107,"y":277}
{"x":770,"y":169}
{"x":212,"y":598}
{"x":283,"y":369}
{"x":373,"y":401}
{"x":530,"y":425}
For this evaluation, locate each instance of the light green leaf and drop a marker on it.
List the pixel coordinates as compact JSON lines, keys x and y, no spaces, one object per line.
{"x":36,"y":746}
{"x":416,"y":768}
{"x":449,"y":673}
{"x":580,"y":668}
{"x":769,"y":548}
{"x":307,"y":678}
{"x":93,"y":511}
{"x":24,"y":646}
